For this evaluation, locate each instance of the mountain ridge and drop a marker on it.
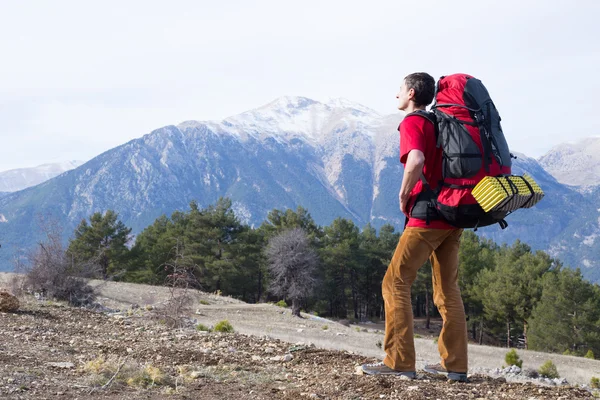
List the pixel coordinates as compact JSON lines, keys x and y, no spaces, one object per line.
{"x":17,"y":179}
{"x":336,"y":160}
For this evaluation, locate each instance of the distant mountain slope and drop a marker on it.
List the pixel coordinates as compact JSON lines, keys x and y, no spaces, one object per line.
{"x":18,"y":179}
{"x":575,"y":164}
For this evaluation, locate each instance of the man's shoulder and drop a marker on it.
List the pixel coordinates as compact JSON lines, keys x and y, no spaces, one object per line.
{"x":417,"y":122}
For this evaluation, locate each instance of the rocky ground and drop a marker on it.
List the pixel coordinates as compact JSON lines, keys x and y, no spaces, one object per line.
{"x":49,"y":350}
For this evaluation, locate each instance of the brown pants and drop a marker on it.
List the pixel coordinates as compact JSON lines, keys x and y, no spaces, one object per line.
{"x":415,"y":246}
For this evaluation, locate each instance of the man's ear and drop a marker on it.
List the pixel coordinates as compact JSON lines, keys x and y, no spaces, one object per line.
{"x":411,"y":94}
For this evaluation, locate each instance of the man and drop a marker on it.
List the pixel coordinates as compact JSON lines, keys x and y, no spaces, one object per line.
{"x":423,"y":238}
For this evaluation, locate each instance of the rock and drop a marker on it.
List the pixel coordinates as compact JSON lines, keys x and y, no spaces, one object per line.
{"x":531,"y":373}
{"x":8,"y":302}
{"x":284,"y":358}
{"x":196,"y":374}
{"x":358,"y":371}
{"x":256,"y":358}
{"x":344,"y":322}
{"x":300,"y":330}
{"x":64,"y":365}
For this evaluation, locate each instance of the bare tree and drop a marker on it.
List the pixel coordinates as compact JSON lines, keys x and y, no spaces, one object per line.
{"x":52,"y":272}
{"x":292,"y":263}
{"x":181,"y":282}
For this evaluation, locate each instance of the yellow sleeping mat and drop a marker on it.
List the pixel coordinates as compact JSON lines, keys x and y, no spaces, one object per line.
{"x":507,"y":193}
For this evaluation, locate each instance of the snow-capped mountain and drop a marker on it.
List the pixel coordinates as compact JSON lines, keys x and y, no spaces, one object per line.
{"x":335,"y":158}
{"x":18,"y":179}
{"x":576,"y":164}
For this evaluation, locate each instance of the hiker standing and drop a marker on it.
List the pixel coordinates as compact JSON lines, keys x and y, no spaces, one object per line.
{"x":426,"y":236}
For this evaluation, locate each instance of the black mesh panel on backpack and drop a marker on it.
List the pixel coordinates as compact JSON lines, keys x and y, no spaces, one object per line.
{"x":462,"y":158}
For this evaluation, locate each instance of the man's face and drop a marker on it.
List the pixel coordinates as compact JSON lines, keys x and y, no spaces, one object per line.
{"x":404,"y":96}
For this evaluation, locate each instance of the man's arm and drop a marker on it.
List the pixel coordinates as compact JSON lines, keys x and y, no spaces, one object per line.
{"x":412,"y":173}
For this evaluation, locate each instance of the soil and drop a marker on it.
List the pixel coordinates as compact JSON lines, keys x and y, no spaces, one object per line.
{"x":49,"y":350}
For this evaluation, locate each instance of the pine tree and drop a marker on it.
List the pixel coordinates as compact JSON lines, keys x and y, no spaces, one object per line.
{"x":568,"y":314}
{"x":105,"y":240}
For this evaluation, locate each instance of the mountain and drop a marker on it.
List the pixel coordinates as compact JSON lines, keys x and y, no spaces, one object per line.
{"x":576,"y":164}
{"x":18,"y":179}
{"x":337,"y":159}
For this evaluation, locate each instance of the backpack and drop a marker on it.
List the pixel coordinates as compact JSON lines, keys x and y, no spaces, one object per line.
{"x":468,"y":130}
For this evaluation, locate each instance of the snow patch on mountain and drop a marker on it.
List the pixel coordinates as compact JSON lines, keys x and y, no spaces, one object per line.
{"x":18,"y":179}
{"x":288,"y":117}
{"x":576,"y":164}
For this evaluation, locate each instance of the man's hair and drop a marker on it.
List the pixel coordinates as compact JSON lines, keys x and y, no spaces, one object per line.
{"x":423,"y":85}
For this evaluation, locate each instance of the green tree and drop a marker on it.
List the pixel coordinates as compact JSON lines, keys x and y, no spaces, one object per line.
{"x":278,"y":221}
{"x":475,"y":255}
{"x":510,"y":291}
{"x":211,"y":237}
{"x":340,"y":255}
{"x":103,"y":240}
{"x":154,"y":246}
{"x":373,"y":260}
{"x":568,"y":314}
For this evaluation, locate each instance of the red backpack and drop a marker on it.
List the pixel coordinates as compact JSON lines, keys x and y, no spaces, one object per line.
{"x":468,"y":131}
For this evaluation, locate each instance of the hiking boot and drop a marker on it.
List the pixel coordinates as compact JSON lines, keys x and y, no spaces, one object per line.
{"x":380,"y":368}
{"x":452,"y":376}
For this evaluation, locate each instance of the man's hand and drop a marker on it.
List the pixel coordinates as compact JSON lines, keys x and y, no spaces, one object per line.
{"x":404,"y":203}
{"x":412,"y":173}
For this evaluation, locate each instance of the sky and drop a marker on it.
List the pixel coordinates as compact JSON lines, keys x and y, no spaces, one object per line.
{"x":78,"y":78}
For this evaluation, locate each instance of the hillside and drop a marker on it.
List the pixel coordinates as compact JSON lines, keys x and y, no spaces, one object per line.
{"x":49,"y":348}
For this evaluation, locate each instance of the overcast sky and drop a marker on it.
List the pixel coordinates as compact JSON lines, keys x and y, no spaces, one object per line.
{"x":79,"y":77}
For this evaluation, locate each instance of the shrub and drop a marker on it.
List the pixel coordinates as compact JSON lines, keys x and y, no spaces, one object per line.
{"x":223,"y":326}
{"x":590,"y":355}
{"x":417,"y":336}
{"x":281,"y":303}
{"x":512,"y":358}
{"x":548,"y":370}
{"x":204,"y":302}
{"x":324,"y":327}
{"x":595,"y":383}
{"x":202,"y":327}
{"x":567,"y":352}
{"x":379,"y":344}
{"x":149,"y":376}
{"x":435,"y":340}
